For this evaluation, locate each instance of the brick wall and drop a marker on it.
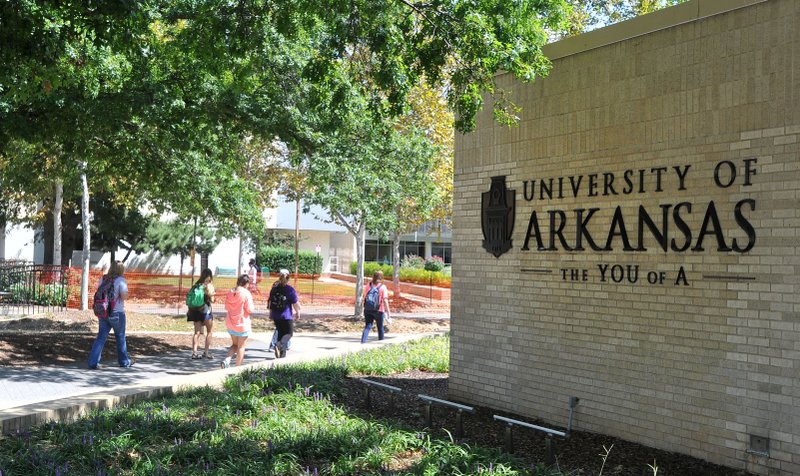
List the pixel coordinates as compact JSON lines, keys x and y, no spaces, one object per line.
{"x":709,"y":354}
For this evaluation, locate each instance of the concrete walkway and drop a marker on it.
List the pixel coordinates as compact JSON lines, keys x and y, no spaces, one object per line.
{"x":33,"y":395}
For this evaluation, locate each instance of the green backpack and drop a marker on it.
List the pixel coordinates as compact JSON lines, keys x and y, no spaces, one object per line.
{"x":196,"y":297}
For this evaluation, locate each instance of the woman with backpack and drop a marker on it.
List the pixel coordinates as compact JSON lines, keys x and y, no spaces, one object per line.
{"x":239,"y":305}
{"x":114,"y":292}
{"x":376,"y":306}
{"x":202,"y":292}
{"x":284,"y":308}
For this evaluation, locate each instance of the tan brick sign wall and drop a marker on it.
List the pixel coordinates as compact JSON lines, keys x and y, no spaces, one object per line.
{"x":654,"y":262}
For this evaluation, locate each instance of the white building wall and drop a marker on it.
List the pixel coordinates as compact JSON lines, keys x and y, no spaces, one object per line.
{"x":337,"y":245}
{"x":17,"y":242}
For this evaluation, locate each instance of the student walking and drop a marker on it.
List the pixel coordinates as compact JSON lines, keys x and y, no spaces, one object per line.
{"x":252,"y":273}
{"x":117,"y":292}
{"x":376,"y":306}
{"x":284,"y":309}
{"x":239,"y":305}
{"x":201,"y":316}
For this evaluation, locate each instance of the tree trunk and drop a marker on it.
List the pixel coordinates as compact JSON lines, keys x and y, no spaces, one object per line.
{"x":194,"y":247}
{"x":180,"y":277}
{"x":57,"y":206}
{"x":86,"y":238}
{"x":361,"y":238}
{"x":241,"y":255}
{"x":297,"y":242}
{"x":396,"y":264}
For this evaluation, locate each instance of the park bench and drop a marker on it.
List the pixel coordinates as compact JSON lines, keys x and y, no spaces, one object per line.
{"x":549,"y":457}
{"x":382,"y":386}
{"x":460,"y":409}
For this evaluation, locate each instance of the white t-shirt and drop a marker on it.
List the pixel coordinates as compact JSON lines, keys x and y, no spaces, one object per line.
{"x":120,"y":288}
{"x":253,"y":274}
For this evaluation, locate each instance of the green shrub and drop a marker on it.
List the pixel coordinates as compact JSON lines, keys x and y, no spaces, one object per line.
{"x":434,"y":263}
{"x":420,"y":276}
{"x":430,"y":354}
{"x":407,"y":275}
{"x":44,"y":295}
{"x":277,"y":258}
{"x":413,"y":262}
{"x":9,"y":278}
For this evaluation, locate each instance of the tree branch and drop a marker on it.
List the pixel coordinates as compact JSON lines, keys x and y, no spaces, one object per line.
{"x":343,"y":221}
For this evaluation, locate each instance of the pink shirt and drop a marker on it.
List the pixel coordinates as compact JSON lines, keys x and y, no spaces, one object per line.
{"x":383,"y":295}
{"x":239,"y":305}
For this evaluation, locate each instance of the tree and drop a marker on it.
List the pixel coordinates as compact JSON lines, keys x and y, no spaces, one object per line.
{"x":85,"y":93}
{"x":414,"y":201}
{"x":362,"y":170}
{"x":431,"y":199}
{"x":589,"y":14}
{"x":398,"y":43}
{"x":60,"y":58}
{"x":116,"y":226}
{"x":150,"y":100}
{"x":179,"y":238}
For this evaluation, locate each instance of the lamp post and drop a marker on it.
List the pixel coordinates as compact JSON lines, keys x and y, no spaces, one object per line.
{"x":317,"y":248}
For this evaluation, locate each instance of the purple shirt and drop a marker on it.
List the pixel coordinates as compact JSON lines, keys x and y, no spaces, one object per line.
{"x":291,"y":298}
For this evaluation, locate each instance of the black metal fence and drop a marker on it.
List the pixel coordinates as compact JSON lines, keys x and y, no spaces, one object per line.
{"x":27,"y":288}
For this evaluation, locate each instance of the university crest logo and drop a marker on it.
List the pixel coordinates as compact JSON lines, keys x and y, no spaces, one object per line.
{"x":497,"y":217}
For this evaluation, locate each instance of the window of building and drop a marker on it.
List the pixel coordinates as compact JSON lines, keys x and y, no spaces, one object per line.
{"x":381,"y":251}
{"x":412,"y":248}
{"x":371,"y":250}
{"x":443,"y":250}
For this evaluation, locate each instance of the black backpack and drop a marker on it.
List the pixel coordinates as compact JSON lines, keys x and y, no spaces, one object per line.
{"x":277,"y":300}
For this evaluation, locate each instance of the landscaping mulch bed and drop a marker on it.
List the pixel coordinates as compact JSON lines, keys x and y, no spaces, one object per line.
{"x":580,"y":454}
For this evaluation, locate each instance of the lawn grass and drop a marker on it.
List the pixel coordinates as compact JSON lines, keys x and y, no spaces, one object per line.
{"x":265,"y":421}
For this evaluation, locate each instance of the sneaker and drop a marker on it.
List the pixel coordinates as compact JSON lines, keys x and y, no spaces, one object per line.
{"x":278,"y":351}
{"x":130,"y":364}
{"x":207,"y":356}
{"x":96,"y":367}
{"x":225,"y":364}
{"x":195,"y":356}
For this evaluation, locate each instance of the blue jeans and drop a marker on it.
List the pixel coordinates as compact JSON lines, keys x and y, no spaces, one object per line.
{"x":275,"y":342}
{"x":115,"y":321}
{"x":369,"y":317}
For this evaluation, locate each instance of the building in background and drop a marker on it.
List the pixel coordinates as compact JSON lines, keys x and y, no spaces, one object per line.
{"x":338,"y":247}
{"x":18,"y":243}
{"x":317,"y":234}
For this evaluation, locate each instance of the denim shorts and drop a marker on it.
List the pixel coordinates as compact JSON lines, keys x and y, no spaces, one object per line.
{"x":239,"y":334}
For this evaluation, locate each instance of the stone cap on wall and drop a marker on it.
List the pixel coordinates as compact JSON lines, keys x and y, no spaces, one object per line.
{"x":662,"y":19}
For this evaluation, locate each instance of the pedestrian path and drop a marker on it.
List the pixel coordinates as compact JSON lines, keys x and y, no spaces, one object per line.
{"x":32,"y":395}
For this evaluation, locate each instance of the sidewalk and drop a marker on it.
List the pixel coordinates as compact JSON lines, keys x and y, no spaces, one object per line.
{"x":34,"y":395}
